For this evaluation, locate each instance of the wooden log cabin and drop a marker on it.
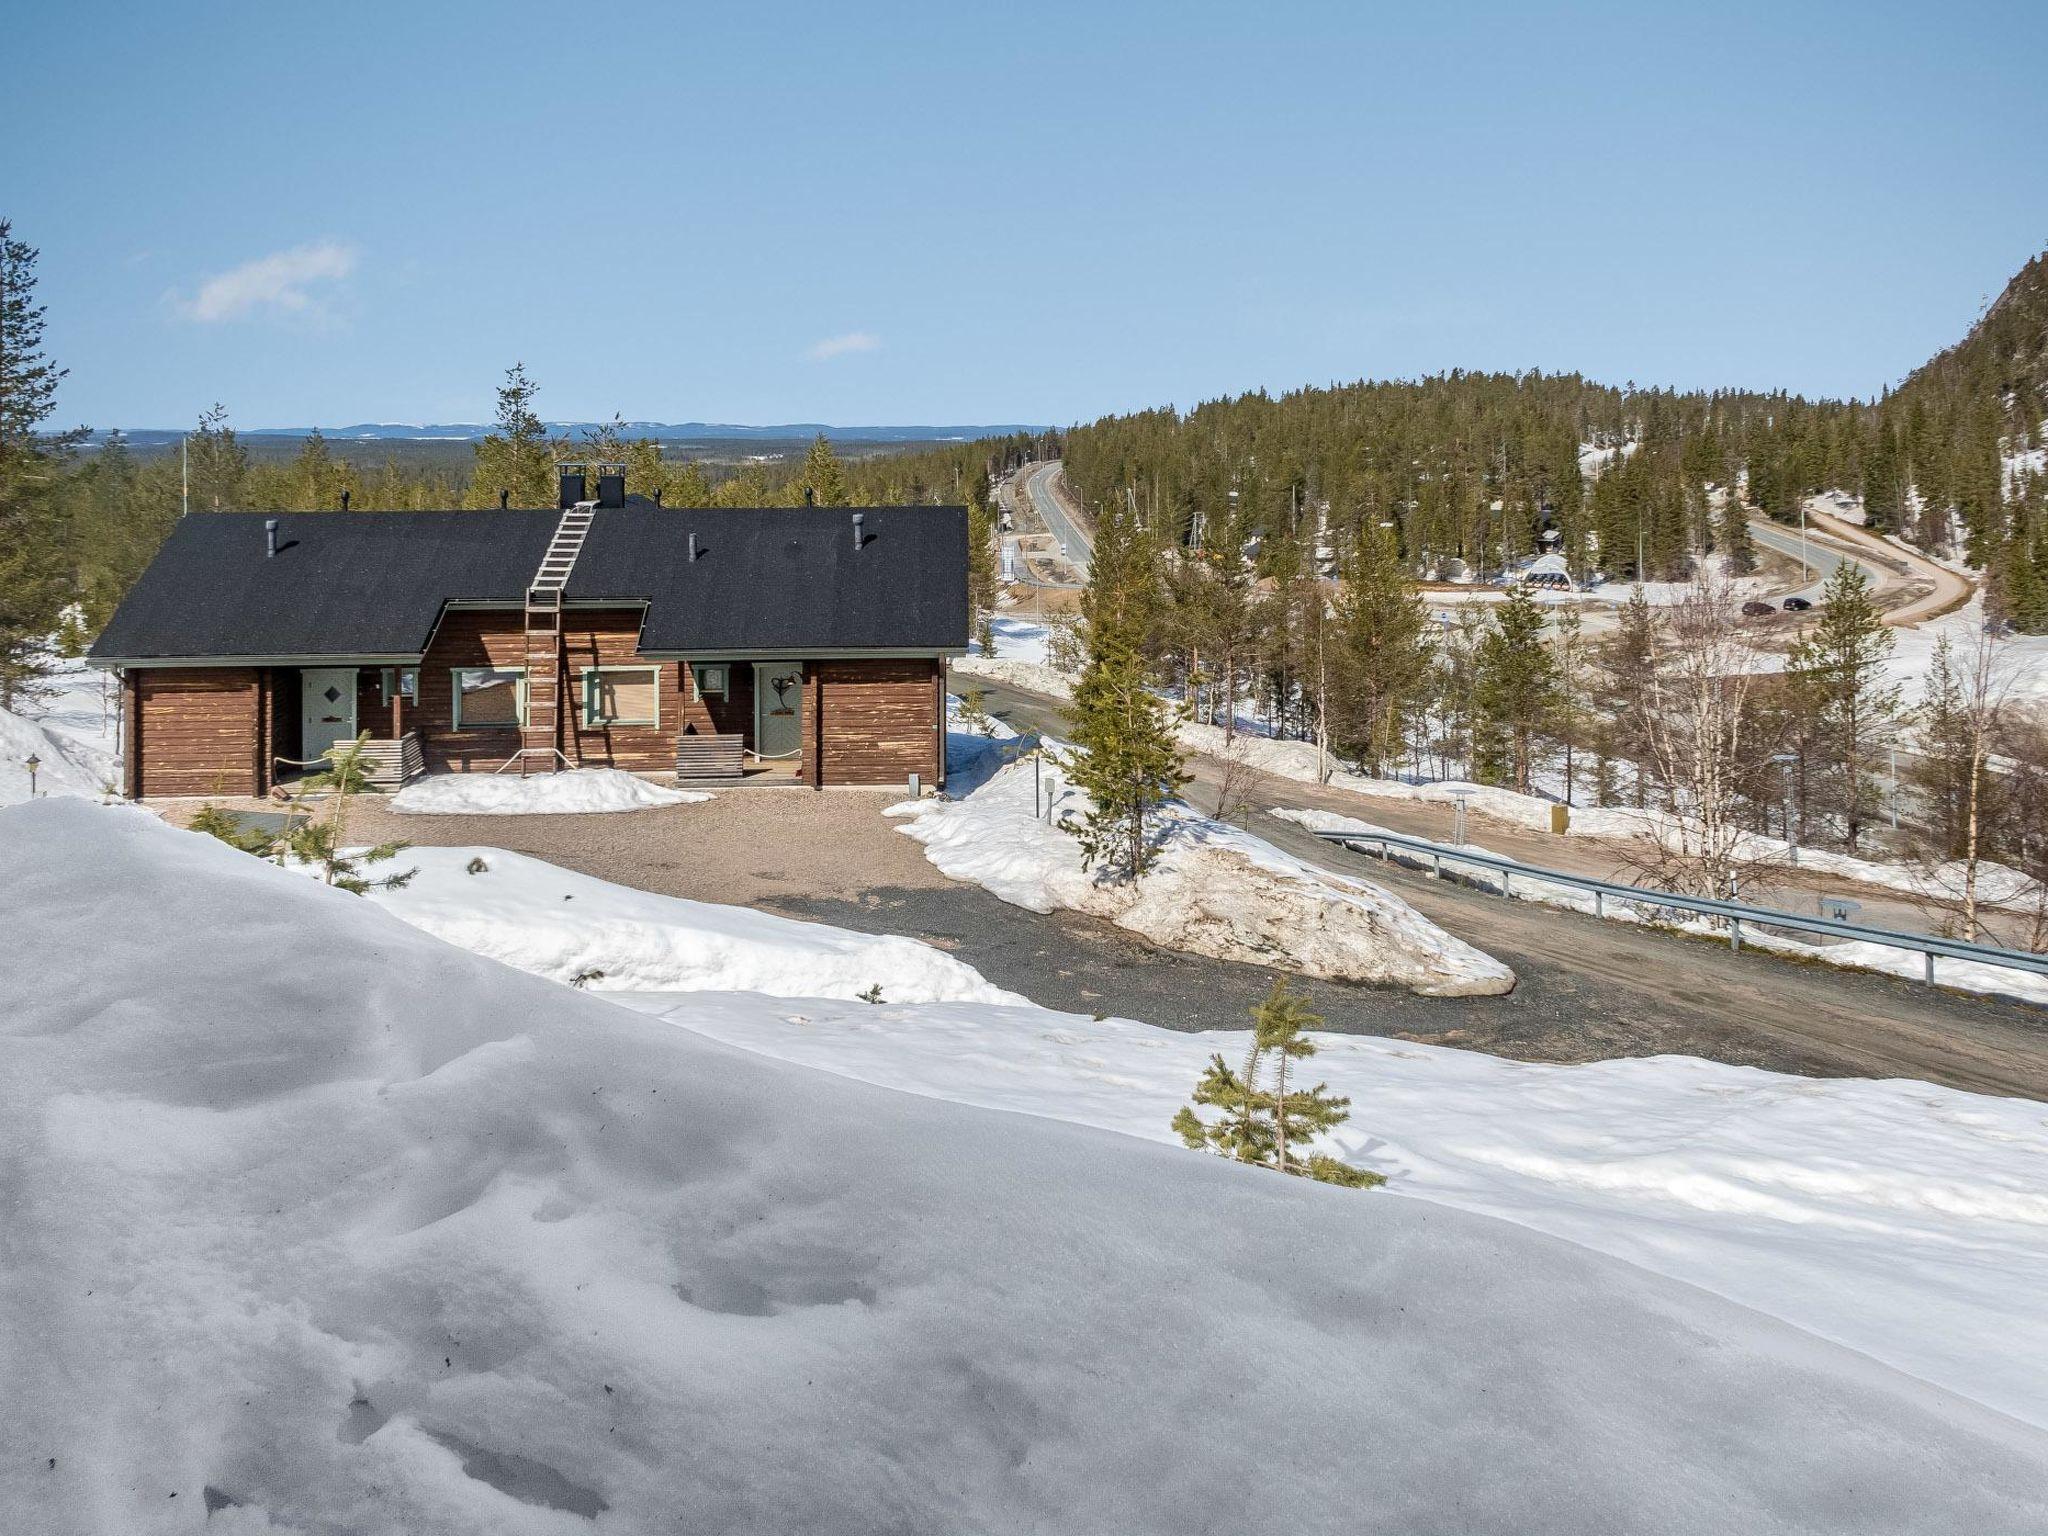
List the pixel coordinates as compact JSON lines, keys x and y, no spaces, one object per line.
{"x":802,"y":645}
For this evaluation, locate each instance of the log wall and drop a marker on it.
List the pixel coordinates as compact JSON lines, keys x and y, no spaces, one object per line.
{"x":878,"y":721}
{"x":197,"y":731}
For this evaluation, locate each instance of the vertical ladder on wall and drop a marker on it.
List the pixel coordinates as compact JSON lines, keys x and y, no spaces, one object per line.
{"x":540,"y":739}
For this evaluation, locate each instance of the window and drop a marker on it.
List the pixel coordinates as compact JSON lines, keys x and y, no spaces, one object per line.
{"x":486,"y":696}
{"x":710,"y":681}
{"x":406,"y":681}
{"x":622,"y":696}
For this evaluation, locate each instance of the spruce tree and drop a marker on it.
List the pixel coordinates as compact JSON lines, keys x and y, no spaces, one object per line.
{"x":1380,"y":654}
{"x":517,"y":456}
{"x":1129,"y":764}
{"x":822,"y":476}
{"x":1839,"y":667}
{"x":1513,"y":690}
{"x":1261,"y":1118}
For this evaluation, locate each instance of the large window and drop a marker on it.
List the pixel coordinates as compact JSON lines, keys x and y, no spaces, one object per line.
{"x":622,"y":696}
{"x":487,"y":696}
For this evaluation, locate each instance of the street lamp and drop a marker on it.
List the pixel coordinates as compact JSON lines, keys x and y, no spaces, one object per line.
{"x":1785,"y":760}
{"x":32,"y":765}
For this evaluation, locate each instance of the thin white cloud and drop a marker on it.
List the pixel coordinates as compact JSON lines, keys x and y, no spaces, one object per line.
{"x":839,"y":346}
{"x":293,"y":282}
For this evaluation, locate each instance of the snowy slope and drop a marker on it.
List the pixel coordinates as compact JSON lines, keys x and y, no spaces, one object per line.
{"x":286,"y":1243}
{"x":1907,"y":1221}
{"x":71,"y":733}
{"x":562,"y":925}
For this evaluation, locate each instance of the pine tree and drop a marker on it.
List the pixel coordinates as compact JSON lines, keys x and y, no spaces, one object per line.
{"x":1268,"y":1123}
{"x":323,"y":843}
{"x":1129,"y":763}
{"x":1839,"y":666}
{"x":33,"y":584}
{"x":218,"y":463}
{"x":983,"y":570}
{"x":517,"y":456}
{"x":1514,"y":688}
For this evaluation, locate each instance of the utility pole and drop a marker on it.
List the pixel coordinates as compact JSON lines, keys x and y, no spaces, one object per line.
{"x":185,"y":475}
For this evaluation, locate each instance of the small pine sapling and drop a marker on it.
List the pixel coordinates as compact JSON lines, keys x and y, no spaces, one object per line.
{"x":323,"y":842}
{"x":1261,"y":1119}
{"x":974,"y":711}
{"x":230,"y":829}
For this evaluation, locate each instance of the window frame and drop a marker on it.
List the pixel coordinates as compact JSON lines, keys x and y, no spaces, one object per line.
{"x":723,"y":692}
{"x":408,"y":683}
{"x":518,"y":723}
{"x":591,"y":720}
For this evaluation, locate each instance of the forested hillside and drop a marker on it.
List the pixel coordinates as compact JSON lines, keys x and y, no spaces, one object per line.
{"x":1476,"y":466}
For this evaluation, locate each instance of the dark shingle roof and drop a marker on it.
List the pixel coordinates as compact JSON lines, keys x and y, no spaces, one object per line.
{"x":372,"y":584}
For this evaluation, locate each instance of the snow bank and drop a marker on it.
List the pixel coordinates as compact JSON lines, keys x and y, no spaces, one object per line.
{"x":1904,"y":1220}
{"x":72,"y":734}
{"x":1213,"y":890}
{"x":575,"y":792}
{"x":562,"y":925}
{"x":321,"y":1225}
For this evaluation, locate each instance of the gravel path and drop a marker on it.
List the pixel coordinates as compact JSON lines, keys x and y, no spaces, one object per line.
{"x":1588,"y":990}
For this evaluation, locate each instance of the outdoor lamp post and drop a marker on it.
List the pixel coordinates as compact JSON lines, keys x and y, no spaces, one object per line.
{"x":1785,"y":760}
{"x":32,"y":765}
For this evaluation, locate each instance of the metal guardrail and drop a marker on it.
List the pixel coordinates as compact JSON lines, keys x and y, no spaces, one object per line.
{"x":1735,"y":913}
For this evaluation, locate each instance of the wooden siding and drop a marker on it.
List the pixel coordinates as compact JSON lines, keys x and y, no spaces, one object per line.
{"x":602,"y":637}
{"x":196,"y":731}
{"x":877,"y":722}
{"x":214,"y":731}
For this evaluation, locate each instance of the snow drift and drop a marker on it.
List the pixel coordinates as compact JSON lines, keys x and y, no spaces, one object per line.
{"x":568,"y":927}
{"x":1213,"y":890}
{"x":317,"y":1223}
{"x":580,"y":791}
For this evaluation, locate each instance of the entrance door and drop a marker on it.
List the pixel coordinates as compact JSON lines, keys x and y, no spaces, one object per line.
{"x":327,"y":708}
{"x":778,"y":709}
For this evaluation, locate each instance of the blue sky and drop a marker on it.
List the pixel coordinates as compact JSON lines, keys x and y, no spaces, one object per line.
{"x":967,"y":213}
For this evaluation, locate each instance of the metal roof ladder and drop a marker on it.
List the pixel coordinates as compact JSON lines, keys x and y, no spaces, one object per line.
{"x":540,"y":737}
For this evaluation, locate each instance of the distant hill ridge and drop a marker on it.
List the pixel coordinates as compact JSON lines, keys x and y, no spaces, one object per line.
{"x":693,"y":431}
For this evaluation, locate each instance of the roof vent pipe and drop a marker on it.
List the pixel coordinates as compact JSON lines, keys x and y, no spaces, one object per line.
{"x":693,"y":546}
{"x":270,"y":538}
{"x":344,"y":499}
{"x":858,"y":520}
{"x":504,"y":499}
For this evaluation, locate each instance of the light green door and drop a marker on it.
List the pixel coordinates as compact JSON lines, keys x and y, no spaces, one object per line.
{"x":327,"y":708}
{"x":778,"y":709}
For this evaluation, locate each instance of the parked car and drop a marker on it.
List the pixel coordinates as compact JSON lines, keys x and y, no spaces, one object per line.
{"x":1756,"y":610}
{"x":1798,"y":604}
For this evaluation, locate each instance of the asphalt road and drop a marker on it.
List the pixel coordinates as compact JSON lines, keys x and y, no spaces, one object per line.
{"x":1588,"y":989}
{"x":1073,"y":537}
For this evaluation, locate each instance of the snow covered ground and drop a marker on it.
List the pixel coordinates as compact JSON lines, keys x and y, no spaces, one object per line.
{"x":583,"y":790}
{"x":294,"y":1248}
{"x":1212,"y":890}
{"x":72,"y":734}
{"x":556,"y":923}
